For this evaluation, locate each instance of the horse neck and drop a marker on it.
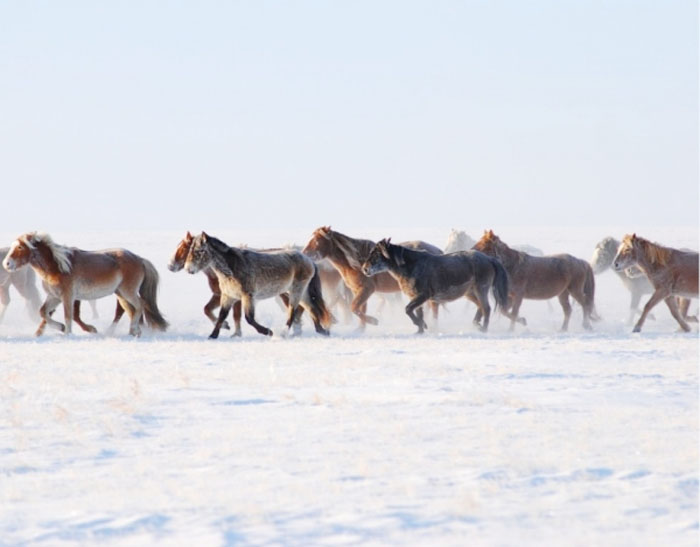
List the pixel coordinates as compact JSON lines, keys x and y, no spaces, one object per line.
{"x":509,"y":257}
{"x":227,"y":260}
{"x":43,"y":261}
{"x":342,"y":246}
{"x":646,"y":264}
{"x":409,"y":256}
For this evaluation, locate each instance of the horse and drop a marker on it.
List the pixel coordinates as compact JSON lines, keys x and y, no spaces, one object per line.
{"x":24,"y":281}
{"x":440,"y":278}
{"x":248,"y":276}
{"x":347,"y":255}
{"x":71,"y":274}
{"x":458,"y":240}
{"x":672,"y":272}
{"x":541,"y":278}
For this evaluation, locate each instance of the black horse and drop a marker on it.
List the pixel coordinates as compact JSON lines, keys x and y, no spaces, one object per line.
{"x":425,"y":277}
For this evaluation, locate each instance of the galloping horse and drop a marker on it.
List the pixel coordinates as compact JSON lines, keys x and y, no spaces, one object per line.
{"x":541,"y":278}
{"x":24,"y":281}
{"x":177,"y":262}
{"x":247,"y":276}
{"x":672,"y":272}
{"x":71,"y":274}
{"x":440,"y":278}
{"x":347,"y":255}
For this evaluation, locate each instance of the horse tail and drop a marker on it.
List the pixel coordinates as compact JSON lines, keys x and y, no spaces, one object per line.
{"x":500,"y":284}
{"x":589,"y":294}
{"x":317,"y":307}
{"x":148,"y":292}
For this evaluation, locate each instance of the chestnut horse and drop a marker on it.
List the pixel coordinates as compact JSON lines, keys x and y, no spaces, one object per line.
{"x":543,"y":277}
{"x":71,"y":274}
{"x":247,"y":276}
{"x":672,"y":272}
{"x":347,"y":255}
{"x":425,"y":277}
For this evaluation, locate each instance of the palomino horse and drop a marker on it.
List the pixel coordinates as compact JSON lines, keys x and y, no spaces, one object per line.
{"x":248,"y":276}
{"x":541,"y":278}
{"x":347,"y":256}
{"x":440,"y":278}
{"x":672,"y":272}
{"x":71,"y":274}
{"x":24,"y":281}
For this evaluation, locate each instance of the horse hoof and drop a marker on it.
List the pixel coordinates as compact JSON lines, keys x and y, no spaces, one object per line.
{"x":214,"y":336}
{"x":637,"y":329}
{"x":225,"y":325}
{"x":371,"y":320}
{"x":92,"y":330}
{"x":522,"y":321}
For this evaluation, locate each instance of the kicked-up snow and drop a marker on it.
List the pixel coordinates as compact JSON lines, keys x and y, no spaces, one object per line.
{"x":456,"y":437}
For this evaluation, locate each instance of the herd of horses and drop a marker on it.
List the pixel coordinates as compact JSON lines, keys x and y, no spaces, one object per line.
{"x":336,"y":271}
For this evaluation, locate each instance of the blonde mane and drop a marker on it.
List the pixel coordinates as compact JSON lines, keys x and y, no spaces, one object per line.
{"x":61,"y":255}
{"x":653,"y":252}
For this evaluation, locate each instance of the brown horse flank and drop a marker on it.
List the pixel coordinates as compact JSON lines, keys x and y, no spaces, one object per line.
{"x":248,"y":276}
{"x":545,"y":277}
{"x":347,"y":255}
{"x":440,"y":278}
{"x":672,"y":272}
{"x":71,"y":274}
{"x":24,"y":281}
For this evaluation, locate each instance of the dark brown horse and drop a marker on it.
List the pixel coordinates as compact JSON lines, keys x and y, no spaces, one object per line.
{"x":672,"y":272}
{"x":425,"y":277}
{"x":347,"y":255}
{"x":71,"y":274}
{"x":543,"y":277}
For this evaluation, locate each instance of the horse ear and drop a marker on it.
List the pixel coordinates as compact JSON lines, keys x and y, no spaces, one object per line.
{"x":205,"y":236}
{"x":388,"y":240}
{"x":189,"y":235}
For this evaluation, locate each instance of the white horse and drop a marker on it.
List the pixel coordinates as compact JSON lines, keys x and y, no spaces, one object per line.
{"x":459,"y":240}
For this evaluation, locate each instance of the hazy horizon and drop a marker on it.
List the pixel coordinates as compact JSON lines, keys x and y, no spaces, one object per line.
{"x":170,"y":116}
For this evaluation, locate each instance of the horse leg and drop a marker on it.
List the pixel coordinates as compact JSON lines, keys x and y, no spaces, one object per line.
{"x":79,"y":321}
{"x":566,"y":306}
{"x":659,"y":295}
{"x":131,"y":301}
{"x":415,"y":306}
{"x":209,"y":308}
{"x":673,"y":306}
{"x":581,"y":299}
{"x":47,"y":308}
{"x":249,"y":312}
{"x":67,"y":300}
{"x":4,"y":300}
{"x":515,"y":308}
{"x":223,"y":312}
{"x":93,"y":306}
{"x":237,"y":312}
{"x":478,"y":315}
{"x":359,"y":306}
{"x":683,"y":307}
{"x":483,"y":303}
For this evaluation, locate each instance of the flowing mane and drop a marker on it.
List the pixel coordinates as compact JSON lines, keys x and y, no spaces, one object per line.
{"x":61,"y":255}
{"x":354,"y":250}
{"x":656,"y":254}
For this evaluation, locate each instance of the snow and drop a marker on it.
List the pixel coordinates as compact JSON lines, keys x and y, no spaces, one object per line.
{"x":456,"y":437}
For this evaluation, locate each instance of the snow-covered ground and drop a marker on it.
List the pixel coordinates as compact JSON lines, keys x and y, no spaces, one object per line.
{"x":453,"y":438}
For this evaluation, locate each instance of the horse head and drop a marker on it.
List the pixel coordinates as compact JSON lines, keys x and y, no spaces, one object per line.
{"x":177,"y":262}
{"x":319,"y":246}
{"x":603,"y":254}
{"x":379,"y":259}
{"x":199,"y":254}
{"x":20,"y":252}
{"x":626,"y":255}
{"x":458,"y":240}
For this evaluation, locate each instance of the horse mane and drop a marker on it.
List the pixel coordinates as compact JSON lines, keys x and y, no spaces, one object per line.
{"x":351,"y":248}
{"x":498,"y":243}
{"x":653,"y":252}
{"x":62,"y":255}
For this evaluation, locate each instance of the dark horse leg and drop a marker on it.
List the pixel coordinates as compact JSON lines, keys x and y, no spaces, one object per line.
{"x":79,"y":321}
{"x":209,"y":308}
{"x":249,"y":311}
{"x":417,"y":318}
{"x":223,"y":312}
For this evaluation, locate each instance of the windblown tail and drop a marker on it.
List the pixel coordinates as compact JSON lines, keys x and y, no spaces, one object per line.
{"x":589,"y":294}
{"x":500,"y":284}
{"x":148,"y":293}
{"x":316,"y":306}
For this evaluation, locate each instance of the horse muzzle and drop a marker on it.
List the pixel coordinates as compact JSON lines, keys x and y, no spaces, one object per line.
{"x":174,"y":267}
{"x":9,"y":265}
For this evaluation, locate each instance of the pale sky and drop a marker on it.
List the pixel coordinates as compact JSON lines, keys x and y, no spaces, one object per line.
{"x":176,"y":115}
